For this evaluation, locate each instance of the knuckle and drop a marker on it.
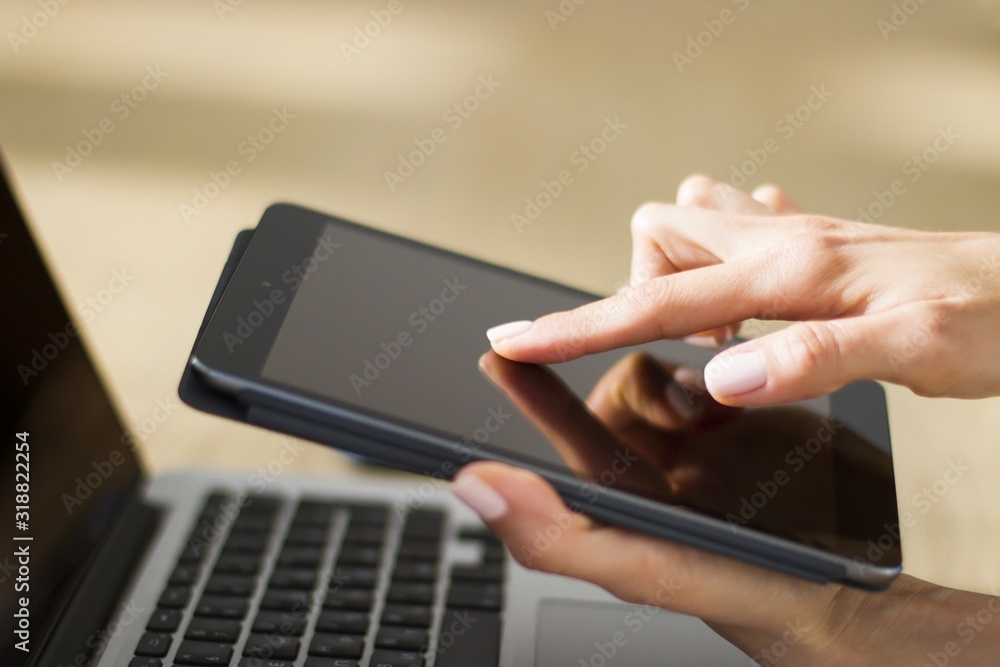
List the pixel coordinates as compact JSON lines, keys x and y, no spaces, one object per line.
{"x":647,"y":218}
{"x":641,"y":296}
{"x":816,"y":240}
{"x":649,"y":567}
{"x":816,"y":234}
{"x":938,"y":319}
{"x":810,"y":259}
{"x":809,"y":346}
{"x":922,"y":353}
{"x":543,"y":555}
{"x":810,"y":223}
{"x":695,"y":189}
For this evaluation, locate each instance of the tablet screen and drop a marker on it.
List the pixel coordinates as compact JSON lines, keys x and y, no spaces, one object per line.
{"x":397,"y":331}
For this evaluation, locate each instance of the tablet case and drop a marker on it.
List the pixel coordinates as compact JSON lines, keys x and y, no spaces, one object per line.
{"x":202,"y":397}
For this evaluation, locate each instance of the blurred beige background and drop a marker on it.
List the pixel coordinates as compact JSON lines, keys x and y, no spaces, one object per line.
{"x":212,"y":74}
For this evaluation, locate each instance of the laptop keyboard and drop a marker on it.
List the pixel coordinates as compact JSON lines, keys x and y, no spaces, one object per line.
{"x":325,"y":584}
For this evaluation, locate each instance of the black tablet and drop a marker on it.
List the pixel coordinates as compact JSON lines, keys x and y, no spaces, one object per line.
{"x":376,"y":344}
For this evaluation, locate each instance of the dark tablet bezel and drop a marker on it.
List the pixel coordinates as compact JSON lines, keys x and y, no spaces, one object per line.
{"x":290,"y":234}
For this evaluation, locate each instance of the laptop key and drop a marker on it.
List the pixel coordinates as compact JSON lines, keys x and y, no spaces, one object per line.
{"x":184,"y":575}
{"x":315,"y":513}
{"x":424,"y":551}
{"x":469,"y":637}
{"x":353,"y":599}
{"x":364,"y":556}
{"x":221,"y":584}
{"x":154,"y":645}
{"x":261,"y":505}
{"x":264,"y":662}
{"x":337,"y":646}
{"x":354,"y":577}
{"x":229,"y":563}
{"x":415,"y":571}
{"x":219,"y":606}
{"x":424,"y":524}
{"x":402,"y":639}
{"x":369,"y":515}
{"x":470,"y":533}
{"x":227,"y":510}
{"x":175,"y":597}
{"x":331,"y":662}
{"x":362,"y":535}
{"x":494,"y":553}
{"x":296,"y":556}
{"x":285,"y":600}
{"x":246,"y":541}
{"x":408,"y":615}
{"x":203,"y":653}
{"x":389,"y":658}
{"x":164,"y":620}
{"x":470,"y":595}
{"x":255,"y":522}
{"x":301,"y":579}
{"x":281,"y":623}
{"x":272,"y":646}
{"x":145,"y":662}
{"x":214,"y":630}
{"x":193,"y":552}
{"x":492,"y":572}
{"x":215,"y":498}
{"x":307,"y":536}
{"x":342,"y":622}
{"x":415,"y":593}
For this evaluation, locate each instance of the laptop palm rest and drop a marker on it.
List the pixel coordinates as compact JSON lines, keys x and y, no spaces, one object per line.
{"x":573,"y":633}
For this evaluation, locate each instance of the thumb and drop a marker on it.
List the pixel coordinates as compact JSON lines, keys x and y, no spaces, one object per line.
{"x":544,"y":534}
{"x":813,"y":358}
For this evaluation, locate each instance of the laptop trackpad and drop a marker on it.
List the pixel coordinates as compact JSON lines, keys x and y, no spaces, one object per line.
{"x":573,"y":633}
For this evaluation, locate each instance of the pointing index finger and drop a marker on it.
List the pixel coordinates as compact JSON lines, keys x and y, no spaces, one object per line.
{"x":666,"y":307}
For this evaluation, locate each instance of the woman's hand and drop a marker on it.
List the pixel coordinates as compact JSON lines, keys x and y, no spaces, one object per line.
{"x":774,"y":618}
{"x":873,"y":302}
{"x":702,"y":454}
{"x":907,"y":307}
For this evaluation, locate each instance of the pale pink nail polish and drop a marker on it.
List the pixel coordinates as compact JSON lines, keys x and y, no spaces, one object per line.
{"x":732,"y":374}
{"x":480,"y":497}
{"x":699,"y":340}
{"x":508,"y":330}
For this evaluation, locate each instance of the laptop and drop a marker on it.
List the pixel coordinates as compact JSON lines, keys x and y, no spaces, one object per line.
{"x":105,"y":566}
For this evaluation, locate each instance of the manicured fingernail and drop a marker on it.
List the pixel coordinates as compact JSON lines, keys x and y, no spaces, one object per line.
{"x":732,"y":374}
{"x":702,"y":340}
{"x":480,"y":496}
{"x":508,"y":330}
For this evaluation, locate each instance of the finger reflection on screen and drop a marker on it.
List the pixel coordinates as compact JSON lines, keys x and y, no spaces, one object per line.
{"x":588,"y":448}
{"x":648,"y":427}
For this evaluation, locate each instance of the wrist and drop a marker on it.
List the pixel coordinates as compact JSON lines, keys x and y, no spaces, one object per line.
{"x":912,"y":623}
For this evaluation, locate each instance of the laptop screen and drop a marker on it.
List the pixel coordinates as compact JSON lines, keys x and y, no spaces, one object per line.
{"x":67,"y":466}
